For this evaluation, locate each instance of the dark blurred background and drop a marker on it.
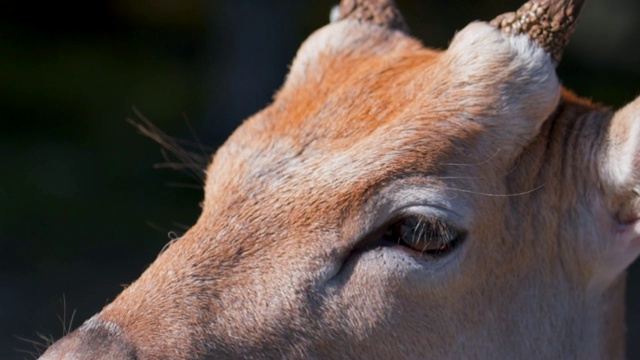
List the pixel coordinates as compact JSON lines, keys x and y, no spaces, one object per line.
{"x":83,"y":211}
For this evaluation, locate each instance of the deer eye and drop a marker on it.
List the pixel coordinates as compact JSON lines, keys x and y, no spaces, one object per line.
{"x":430,"y":236}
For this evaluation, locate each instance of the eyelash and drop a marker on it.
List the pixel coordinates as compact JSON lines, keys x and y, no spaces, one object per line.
{"x":430,"y":236}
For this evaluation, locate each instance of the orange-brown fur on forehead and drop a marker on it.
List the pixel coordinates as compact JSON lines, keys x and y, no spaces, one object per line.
{"x":353,"y":84}
{"x":353,"y":97}
{"x":361,"y":109}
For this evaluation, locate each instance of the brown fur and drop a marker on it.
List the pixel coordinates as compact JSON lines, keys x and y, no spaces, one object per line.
{"x":370,"y":124}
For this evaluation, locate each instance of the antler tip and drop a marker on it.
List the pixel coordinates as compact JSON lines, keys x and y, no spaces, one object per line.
{"x":550,"y":23}
{"x":379,"y":12}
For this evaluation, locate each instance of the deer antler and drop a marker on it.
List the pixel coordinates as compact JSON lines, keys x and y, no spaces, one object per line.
{"x":548,"y":22}
{"x":379,"y":12}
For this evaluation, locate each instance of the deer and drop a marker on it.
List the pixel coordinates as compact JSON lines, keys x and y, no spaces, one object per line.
{"x":400,"y":202}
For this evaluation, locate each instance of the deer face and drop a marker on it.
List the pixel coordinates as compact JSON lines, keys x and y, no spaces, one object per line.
{"x":400,"y":202}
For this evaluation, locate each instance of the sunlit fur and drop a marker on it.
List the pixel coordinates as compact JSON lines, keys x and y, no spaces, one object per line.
{"x":368,"y":124}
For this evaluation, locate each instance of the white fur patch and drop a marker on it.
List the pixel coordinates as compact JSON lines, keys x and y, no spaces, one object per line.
{"x":329,"y":39}
{"x":621,"y":162}
{"x":334,"y":15}
{"x":343,"y":38}
{"x":96,"y":322}
{"x":512,"y":70}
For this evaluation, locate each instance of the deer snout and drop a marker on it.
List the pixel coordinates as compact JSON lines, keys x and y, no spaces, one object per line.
{"x":96,"y":339}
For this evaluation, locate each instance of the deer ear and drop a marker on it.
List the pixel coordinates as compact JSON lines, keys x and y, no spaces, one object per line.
{"x":620,"y":163}
{"x":619,"y":167}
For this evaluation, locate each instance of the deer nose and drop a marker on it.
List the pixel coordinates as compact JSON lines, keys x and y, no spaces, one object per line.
{"x":95,"y":339}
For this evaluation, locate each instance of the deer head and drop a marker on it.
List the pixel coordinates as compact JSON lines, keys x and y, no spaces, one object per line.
{"x":400,"y":202}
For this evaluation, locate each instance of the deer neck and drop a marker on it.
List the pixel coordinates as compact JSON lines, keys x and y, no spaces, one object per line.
{"x":610,"y":322}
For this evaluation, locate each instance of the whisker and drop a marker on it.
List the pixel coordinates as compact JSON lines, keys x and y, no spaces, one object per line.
{"x":204,"y":151}
{"x":456,"y":177}
{"x":48,"y":340}
{"x":38,"y":346}
{"x":31,"y":353}
{"x":181,"y":226}
{"x":32,"y":342}
{"x":63,"y":319}
{"x":174,"y":237}
{"x":73,"y":314}
{"x":193,"y":164}
{"x":157,"y":227}
{"x":477,"y":164}
{"x":495,"y":195}
{"x":184,"y":186}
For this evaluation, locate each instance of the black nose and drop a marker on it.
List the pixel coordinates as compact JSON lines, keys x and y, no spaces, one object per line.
{"x":95,"y":340}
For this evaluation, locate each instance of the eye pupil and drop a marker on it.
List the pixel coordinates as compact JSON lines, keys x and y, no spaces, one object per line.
{"x":428,"y":235}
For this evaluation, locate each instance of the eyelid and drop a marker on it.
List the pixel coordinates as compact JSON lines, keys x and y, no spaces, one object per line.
{"x":434,"y":237}
{"x":431,"y":213}
{"x":422,"y":195}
